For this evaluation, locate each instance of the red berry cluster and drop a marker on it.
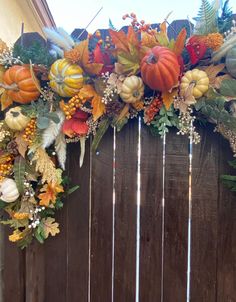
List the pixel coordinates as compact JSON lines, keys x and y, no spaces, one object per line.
{"x":137,"y":25}
{"x":152,"y":110}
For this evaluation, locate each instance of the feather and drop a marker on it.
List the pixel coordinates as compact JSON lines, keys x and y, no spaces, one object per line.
{"x":82,"y":150}
{"x":56,"y":38}
{"x":51,"y":133}
{"x":60,"y":147}
{"x":66,"y":36}
{"x":57,"y":50}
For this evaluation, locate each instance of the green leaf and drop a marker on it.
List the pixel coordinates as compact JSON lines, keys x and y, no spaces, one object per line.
{"x":228,"y":87}
{"x":42,"y":122}
{"x":2,"y":204}
{"x":19,"y":173}
{"x":102,"y":128}
{"x":130,"y":62}
{"x":72,"y":190}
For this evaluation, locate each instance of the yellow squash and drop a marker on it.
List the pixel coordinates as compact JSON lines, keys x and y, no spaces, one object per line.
{"x":132,"y":89}
{"x":66,"y":78}
{"x":196,"y":78}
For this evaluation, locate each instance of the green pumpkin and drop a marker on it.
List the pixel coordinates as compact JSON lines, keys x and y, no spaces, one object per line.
{"x":231,"y":62}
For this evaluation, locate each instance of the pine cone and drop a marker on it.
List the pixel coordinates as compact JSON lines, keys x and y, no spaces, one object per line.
{"x":12,"y":148}
{"x":113,"y":108}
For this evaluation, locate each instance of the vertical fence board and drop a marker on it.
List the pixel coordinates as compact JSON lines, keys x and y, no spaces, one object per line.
{"x":35,"y":273}
{"x":1,"y":261}
{"x":125,"y":213}
{"x":101,"y":228}
{"x":13,"y":271}
{"x":176,"y":218}
{"x":151,"y":216}
{"x":204,"y":217}
{"x":56,"y":283}
{"x":226,"y":273}
{"x":78,"y":225}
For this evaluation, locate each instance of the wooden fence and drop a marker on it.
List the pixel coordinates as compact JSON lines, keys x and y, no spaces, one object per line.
{"x":125,"y":240}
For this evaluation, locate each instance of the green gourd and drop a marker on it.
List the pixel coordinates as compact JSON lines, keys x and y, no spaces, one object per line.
{"x":231,"y":62}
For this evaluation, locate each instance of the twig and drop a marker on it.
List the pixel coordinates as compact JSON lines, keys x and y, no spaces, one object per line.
{"x":90,"y":23}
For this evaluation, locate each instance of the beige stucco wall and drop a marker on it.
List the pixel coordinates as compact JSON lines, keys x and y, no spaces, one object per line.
{"x":12,"y":14}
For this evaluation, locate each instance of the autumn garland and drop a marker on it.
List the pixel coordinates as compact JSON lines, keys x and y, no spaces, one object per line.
{"x":81,"y":88}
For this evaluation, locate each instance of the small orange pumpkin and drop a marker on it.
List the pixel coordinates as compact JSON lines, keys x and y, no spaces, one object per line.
{"x":20,"y":86}
{"x":160,"y":68}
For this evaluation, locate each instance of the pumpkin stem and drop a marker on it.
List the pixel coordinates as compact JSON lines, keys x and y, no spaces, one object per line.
{"x":152,"y":59}
{"x":9,"y":87}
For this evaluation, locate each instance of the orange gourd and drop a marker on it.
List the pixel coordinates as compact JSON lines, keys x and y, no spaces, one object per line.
{"x":20,"y":86}
{"x":160,"y":68}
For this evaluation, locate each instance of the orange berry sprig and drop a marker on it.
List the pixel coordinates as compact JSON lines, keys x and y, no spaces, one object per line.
{"x":70,"y":108}
{"x":138,"y":25}
{"x":6,"y":167}
{"x":152,"y":110}
{"x":30,"y":131}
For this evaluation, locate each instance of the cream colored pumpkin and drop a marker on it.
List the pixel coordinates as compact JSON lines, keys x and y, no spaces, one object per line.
{"x":15,"y":120}
{"x":195,"y":77}
{"x":66,"y":78}
{"x":132,"y":89}
{"x":8,"y":190}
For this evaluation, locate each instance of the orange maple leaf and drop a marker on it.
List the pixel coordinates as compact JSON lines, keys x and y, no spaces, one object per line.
{"x":83,"y":60}
{"x":120,"y":40}
{"x":98,"y":107}
{"x":49,"y":194}
{"x":180,"y":41}
{"x":168,"y":98}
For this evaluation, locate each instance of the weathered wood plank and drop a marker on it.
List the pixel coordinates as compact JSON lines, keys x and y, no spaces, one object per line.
{"x":151,"y":216}
{"x":226,"y":271}
{"x":35,"y":273}
{"x":101,"y":220}
{"x":56,"y":282}
{"x":205,"y":178}
{"x":13,"y":271}
{"x":176,"y":218}
{"x":125,"y":213}
{"x":78,"y":226}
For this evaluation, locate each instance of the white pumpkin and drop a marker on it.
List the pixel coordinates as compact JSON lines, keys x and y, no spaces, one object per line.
{"x":15,"y":120}
{"x":8,"y":190}
{"x":132,"y":89}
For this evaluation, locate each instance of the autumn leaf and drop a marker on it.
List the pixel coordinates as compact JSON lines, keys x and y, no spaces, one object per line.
{"x":49,"y":194}
{"x":98,"y":107}
{"x":2,"y":71}
{"x":22,"y":145}
{"x":148,"y":40}
{"x":120,"y":40}
{"x":6,"y":101}
{"x":212,"y":72}
{"x":161,"y":36}
{"x":132,"y":37}
{"x":90,"y":68}
{"x":180,"y":42}
{"x":49,"y":226}
{"x":130,"y":63}
{"x":168,"y":98}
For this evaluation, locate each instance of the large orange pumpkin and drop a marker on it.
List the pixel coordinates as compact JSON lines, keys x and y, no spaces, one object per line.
{"x":160,"y":68}
{"x":19,"y":84}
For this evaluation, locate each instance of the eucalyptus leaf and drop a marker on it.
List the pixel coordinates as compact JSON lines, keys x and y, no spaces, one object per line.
{"x":53,"y":116}
{"x":72,"y":190}
{"x":42,"y":122}
{"x":100,"y":132}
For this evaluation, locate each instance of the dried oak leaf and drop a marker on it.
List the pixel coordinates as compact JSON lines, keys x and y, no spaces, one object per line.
{"x":22,"y":145}
{"x":49,"y":194}
{"x":49,"y":226}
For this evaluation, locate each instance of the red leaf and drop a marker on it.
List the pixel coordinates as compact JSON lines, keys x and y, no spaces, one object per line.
{"x":98,"y":55}
{"x":132,"y":37}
